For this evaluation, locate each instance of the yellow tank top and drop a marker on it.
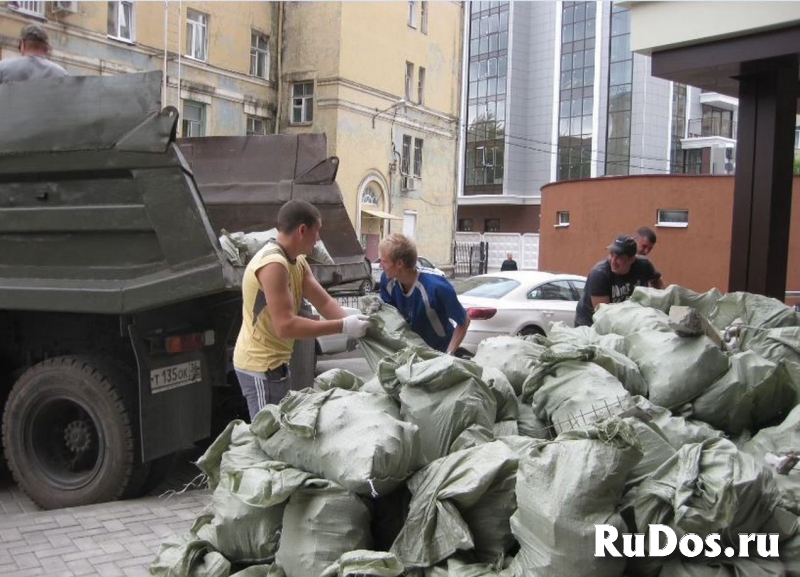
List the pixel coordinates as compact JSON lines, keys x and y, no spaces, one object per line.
{"x":258,"y":348}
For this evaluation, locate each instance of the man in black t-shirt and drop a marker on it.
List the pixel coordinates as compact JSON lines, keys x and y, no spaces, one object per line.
{"x":612,"y":280}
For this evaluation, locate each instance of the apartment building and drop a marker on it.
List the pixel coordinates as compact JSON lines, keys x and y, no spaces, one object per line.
{"x":382,"y":80}
{"x":554,"y":93}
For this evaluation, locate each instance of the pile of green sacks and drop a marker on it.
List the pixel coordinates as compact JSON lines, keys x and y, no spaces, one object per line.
{"x":502,"y":465}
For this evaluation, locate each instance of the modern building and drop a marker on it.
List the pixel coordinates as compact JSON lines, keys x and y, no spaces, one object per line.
{"x":554,"y":93}
{"x":382,"y":80}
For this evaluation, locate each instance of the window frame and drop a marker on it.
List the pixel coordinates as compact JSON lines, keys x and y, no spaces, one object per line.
{"x":24,"y":7}
{"x":405,"y":155}
{"x":193,"y":28}
{"x":118,"y":4}
{"x":664,"y":223}
{"x":423,"y":16}
{"x":257,"y":52}
{"x":494,"y":222}
{"x":252,"y":118}
{"x":305,"y":104}
{"x":409,"y":80}
{"x":412,"y":14}
{"x":421,"y":86}
{"x":560,"y":221}
{"x":202,"y":106}
{"x":418,"y":151}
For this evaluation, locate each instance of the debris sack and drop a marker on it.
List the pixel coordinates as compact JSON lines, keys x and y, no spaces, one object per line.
{"x":388,"y":332}
{"x":514,"y":356}
{"x":627,"y":318}
{"x":664,"y":299}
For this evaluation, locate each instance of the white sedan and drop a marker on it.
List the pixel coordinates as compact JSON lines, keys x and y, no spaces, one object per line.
{"x":517,"y":303}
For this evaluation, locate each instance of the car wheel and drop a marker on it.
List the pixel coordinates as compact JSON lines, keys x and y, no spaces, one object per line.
{"x":532,"y":330}
{"x":67,"y":434}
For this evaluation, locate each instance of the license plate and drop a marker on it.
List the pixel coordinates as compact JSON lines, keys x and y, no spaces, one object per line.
{"x":174,"y":376}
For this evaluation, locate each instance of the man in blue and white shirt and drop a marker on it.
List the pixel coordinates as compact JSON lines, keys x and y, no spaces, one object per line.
{"x":427,"y":302}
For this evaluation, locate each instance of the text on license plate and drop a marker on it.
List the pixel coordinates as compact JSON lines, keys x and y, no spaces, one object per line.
{"x":174,"y":376}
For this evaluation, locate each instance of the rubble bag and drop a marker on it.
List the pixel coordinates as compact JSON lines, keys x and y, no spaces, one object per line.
{"x":566,"y":487}
{"x":769,"y":444}
{"x":627,"y":318}
{"x":504,"y":396}
{"x":460,"y":502}
{"x":576,"y":394}
{"x":363,"y":563}
{"x":353,"y":438}
{"x":184,"y":556}
{"x":338,"y":379}
{"x":321,"y":522}
{"x":753,"y":393}
{"x":247,"y":508}
{"x":675,"y":295}
{"x":582,"y":336}
{"x":514,"y":356}
{"x":679,"y":431}
{"x":676,"y":369}
{"x":443,"y":397}
{"x":655,"y":446}
{"x":236,"y":447}
{"x":388,"y":332}
{"x":260,"y":571}
{"x":779,"y":344}
{"x":529,"y":425}
{"x":752,"y":310}
{"x":705,"y":488}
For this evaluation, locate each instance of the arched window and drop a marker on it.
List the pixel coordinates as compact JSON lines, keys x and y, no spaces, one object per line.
{"x":370,"y":195}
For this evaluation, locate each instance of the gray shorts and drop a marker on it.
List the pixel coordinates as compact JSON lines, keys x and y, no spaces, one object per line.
{"x":262,"y":389}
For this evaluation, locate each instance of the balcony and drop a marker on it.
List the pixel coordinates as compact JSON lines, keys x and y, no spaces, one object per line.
{"x":705,"y":127}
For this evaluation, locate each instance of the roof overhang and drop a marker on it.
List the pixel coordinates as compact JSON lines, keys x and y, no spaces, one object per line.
{"x":374,"y":212}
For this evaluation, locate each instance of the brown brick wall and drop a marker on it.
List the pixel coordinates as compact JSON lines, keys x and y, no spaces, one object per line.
{"x":696,"y":257}
{"x":514,"y":218}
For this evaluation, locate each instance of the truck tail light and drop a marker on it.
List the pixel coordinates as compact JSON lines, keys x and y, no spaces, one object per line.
{"x":188,"y":342}
{"x":481,"y":313}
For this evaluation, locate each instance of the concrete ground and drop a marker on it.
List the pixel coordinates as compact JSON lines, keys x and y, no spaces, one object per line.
{"x":109,"y":539}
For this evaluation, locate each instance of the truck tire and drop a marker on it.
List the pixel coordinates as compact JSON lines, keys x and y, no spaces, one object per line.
{"x":67,"y":434}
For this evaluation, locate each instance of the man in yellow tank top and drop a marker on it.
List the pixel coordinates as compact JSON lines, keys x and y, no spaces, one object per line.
{"x":275,"y":281}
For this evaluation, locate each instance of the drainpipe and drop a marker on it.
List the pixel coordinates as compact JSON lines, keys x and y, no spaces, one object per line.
{"x":280,"y":68}
{"x":461,"y":124}
{"x":166,"y":51}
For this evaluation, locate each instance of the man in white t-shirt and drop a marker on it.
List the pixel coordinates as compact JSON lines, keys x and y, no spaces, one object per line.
{"x":34,"y":45}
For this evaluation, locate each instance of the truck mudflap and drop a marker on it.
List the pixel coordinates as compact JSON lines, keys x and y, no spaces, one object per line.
{"x":174,"y":398}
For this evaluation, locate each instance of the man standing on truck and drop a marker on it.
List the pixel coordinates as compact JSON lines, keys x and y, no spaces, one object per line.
{"x":275,"y":282}
{"x":427,"y":301}
{"x":34,"y":45}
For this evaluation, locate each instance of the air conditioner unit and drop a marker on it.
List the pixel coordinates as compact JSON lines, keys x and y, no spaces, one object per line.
{"x":70,"y":6}
{"x":409,"y":183}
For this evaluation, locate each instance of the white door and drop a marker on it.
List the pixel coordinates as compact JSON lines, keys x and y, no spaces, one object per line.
{"x":410,"y":224}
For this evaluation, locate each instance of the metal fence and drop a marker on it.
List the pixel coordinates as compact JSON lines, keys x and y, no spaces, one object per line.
{"x":470,"y":258}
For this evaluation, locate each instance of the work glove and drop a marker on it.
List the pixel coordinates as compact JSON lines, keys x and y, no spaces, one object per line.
{"x":374,"y":307}
{"x":355,"y":326}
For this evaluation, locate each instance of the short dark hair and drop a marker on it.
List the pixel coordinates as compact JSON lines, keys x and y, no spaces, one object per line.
{"x":647,"y":233}
{"x":297,"y":212}
{"x":34,"y":34}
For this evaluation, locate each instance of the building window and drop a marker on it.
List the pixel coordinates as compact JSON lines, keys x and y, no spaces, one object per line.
{"x":465,"y":225}
{"x":423,"y":12}
{"x":405,"y":158}
{"x":370,"y":196}
{"x":562,"y":218}
{"x":30,"y":7}
{"x":302,"y":102}
{"x":409,"y":80}
{"x":257,"y":126}
{"x":486,"y":93}
{"x":421,"y":86}
{"x":418,"y":157}
{"x":491,"y":225}
{"x":674,"y":218}
{"x":620,"y":88}
{"x":576,"y":89}
{"x":194,"y":119}
{"x":196,"y":35}
{"x":678,"y":126}
{"x":120,"y":20}
{"x":693,"y":161}
{"x":259,"y":55}
{"x":412,"y":13}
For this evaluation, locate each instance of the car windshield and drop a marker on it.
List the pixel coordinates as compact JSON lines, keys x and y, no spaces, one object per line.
{"x":492,"y":287}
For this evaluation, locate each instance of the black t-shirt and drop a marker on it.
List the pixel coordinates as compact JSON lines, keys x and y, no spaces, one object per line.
{"x":601,"y":282}
{"x":508,"y":264}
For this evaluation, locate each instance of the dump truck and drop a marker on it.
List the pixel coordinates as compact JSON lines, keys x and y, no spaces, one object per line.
{"x":118,"y":308}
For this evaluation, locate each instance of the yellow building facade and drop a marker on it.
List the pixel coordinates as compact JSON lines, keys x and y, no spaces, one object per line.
{"x":381,"y":79}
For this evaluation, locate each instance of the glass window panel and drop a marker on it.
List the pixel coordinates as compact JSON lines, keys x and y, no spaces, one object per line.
{"x":579,"y":31}
{"x":473,"y":70}
{"x":481,"y":89}
{"x":501,"y":110}
{"x":578,"y":46}
{"x":473,"y":89}
{"x":474,"y":29}
{"x":471,"y":109}
{"x":484,"y":26}
{"x":619,"y":124}
{"x":588,"y":76}
{"x":619,"y":98}
{"x":502,"y":63}
{"x":588,"y":57}
{"x":590,"y":10}
{"x":620,"y":73}
{"x":580,"y":11}
{"x":620,"y":48}
{"x":588,"y":91}
{"x":564,"y":113}
{"x":482,"y":68}
{"x":501,"y":85}
{"x":567,"y":14}
{"x":590,"y":31}
{"x":575,"y":126}
{"x":492,"y":67}
{"x":474,"y":47}
{"x":297,"y":90}
{"x":491,"y":89}
{"x":587,"y":105}
{"x":577,"y":78}
{"x":566,"y":79}
{"x":587,"y":125}
{"x":493,"y":43}
{"x":577,"y":60}
{"x":566,"y":62}
{"x":563,"y":127}
{"x":577,"y":106}
{"x":566,"y":33}
{"x":504,"y":41}
{"x":503,"y":21}
{"x":620,"y":23}
{"x":484,"y":45}
{"x":494,"y":23}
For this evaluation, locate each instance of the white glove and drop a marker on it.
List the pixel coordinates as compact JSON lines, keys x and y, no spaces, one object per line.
{"x":355,"y":326}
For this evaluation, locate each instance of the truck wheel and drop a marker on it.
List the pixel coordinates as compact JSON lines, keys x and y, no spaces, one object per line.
{"x":67,"y":434}
{"x":365,"y":287}
{"x":532,"y":330}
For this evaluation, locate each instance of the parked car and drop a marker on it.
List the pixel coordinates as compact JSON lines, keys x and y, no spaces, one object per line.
{"x":423,"y":264}
{"x":338,"y":343}
{"x":517,"y":303}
